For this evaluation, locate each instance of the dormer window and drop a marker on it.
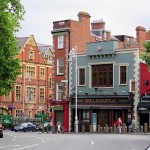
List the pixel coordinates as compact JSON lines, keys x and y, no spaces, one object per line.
{"x":31,"y":55}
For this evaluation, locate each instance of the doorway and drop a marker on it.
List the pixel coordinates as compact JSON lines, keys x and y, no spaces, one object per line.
{"x":103,"y":117}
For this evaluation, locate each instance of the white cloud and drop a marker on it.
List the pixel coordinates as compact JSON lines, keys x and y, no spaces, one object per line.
{"x":121,"y":16}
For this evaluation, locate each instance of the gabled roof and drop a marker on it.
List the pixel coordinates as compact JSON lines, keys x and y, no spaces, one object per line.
{"x":43,"y":48}
{"x":21,"y":41}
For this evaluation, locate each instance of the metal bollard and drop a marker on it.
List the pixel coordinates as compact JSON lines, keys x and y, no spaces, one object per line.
{"x":47,"y":129}
{"x":83,"y":128}
{"x":115,"y":128}
{"x":91,"y":130}
{"x":133,"y":128}
{"x":129,"y":129}
{"x":104,"y":129}
{"x":53,"y":129}
{"x":123,"y":128}
{"x":145,"y":127}
{"x":111,"y":129}
{"x":141,"y":128}
{"x":99,"y":128}
{"x":62,"y":129}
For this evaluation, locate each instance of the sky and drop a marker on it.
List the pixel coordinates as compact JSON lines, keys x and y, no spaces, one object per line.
{"x":121,"y":16}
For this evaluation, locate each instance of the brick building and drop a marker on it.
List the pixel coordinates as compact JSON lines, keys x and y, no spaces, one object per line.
{"x":67,"y":34}
{"x":32,"y":88}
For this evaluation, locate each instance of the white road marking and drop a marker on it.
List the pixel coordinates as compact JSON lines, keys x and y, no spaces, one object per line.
{"x":92,"y":142}
{"x":12,"y":136}
{"x":26,"y":147}
{"x":9,"y":146}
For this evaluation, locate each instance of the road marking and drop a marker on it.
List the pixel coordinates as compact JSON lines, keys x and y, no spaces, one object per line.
{"x":9,"y":145}
{"x":92,"y":142}
{"x":12,"y":136}
{"x":26,"y":147}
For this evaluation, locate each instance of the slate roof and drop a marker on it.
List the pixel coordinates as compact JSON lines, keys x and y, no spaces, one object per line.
{"x":43,"y":48}
{"x":22,"y":41}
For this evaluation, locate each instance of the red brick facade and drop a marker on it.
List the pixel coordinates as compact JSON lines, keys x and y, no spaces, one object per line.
{"x":32,"y":89}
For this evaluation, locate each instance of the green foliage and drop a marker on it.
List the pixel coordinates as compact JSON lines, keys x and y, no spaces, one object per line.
{"x":146,"y":56}
{"x":11,"y":14}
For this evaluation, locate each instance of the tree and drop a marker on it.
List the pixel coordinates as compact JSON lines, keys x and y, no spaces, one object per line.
{"x":11,"y":13}
{"x":146,"y":56}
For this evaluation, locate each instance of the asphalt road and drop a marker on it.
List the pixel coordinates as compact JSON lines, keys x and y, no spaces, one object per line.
{"x":48,"y":141}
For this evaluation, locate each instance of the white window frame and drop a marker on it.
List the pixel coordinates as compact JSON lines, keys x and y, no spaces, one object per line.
{"x":60,"y":41}
{"x":20,"y":93}
{"x":60,"y":67}
{"x":59,"y":91}
{"x":42,"y":73}
{"x":42,"y":88}
{"x":31,"y":98}
{"x":18,"y":112}
{"x":7,"y":97}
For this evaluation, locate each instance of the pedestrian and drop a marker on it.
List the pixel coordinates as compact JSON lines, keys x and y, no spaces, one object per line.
{"x":119,"y":124}
{"x":59,"y":127}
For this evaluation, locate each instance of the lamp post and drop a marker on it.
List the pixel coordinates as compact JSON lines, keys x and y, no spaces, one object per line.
{"x":24,"y":82}
{"x":73,"y":54}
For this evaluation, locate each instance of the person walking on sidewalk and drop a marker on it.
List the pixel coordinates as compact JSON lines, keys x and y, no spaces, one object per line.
{"x":119,"y":124}
{"x":59,"y":127}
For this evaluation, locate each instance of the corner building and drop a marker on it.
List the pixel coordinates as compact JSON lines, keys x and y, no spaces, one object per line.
{"x":67,"y":34}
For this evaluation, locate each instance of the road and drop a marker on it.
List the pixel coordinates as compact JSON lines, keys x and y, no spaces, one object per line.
{"x":86,"y":141}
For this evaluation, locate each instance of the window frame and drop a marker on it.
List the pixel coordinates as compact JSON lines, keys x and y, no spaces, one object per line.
{"x":120,"y":75}
{"x":31,"y":55}
{"x":59,"y":93}
{"x":42,"y":73}
{"x":30,"y":98}
{"x":18,"y":94}
{"x":101,"y":74}
{"x":31,"y":72}
{"x":60,"y":66}
{"x":42,"y":95}
{"x":60,"y":41}
{"x":81,"y":76}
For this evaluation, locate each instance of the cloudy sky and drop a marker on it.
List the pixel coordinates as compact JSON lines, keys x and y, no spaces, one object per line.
{"x":120,"y":16}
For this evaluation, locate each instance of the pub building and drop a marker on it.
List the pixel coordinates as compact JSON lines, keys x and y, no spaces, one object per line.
{"x":144,"y":109}
{"x":106,"y":108}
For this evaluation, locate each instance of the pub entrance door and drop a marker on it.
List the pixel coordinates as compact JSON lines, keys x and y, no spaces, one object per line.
{"x":103,"y":117}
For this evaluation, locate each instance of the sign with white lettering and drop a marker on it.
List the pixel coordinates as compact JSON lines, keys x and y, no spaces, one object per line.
{"x":145,"y":97}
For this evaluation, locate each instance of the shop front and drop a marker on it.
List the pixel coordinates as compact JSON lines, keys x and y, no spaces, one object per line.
{"x":59,"y":113}
{"x":105,"y":108}
{"x":144,"y":109}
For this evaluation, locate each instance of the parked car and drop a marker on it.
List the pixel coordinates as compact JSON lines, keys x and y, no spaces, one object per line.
{"x":1,"y":131}
{"x":27,"y":126}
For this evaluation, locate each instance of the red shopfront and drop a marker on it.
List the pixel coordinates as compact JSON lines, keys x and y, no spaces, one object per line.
{"x":59,"y":113}
{"x":107,"y":109}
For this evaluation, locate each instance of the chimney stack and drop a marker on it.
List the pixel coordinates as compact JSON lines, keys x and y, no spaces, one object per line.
{"x":140,"y":35}
{"x":98,"y":24}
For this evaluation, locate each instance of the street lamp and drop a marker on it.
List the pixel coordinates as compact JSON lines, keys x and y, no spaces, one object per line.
{"x":24,"y":92}
{"x":73,"y":54}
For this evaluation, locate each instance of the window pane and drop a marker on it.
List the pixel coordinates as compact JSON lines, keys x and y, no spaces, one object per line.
{"x":60,"y":65}
{"x":123,"y":74}
{"x":102,"y":75}
{"x":82,"y":76}
{"x":60,"y":41}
